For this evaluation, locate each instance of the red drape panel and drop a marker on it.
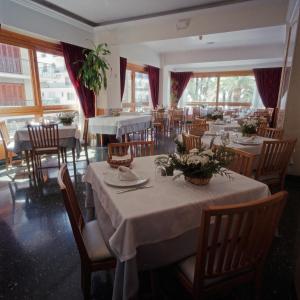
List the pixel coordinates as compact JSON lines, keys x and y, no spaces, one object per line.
{"x":73,"y":57}
{"x":123,"y":65}
{"x":179,"y":81}
{"x":268,"y":83}
{"x":153,"y":74}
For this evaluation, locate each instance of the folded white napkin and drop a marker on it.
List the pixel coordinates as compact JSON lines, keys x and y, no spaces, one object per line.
{"x":125,"y":174}
{"x":120,"y":158}
{"x":249,"y":139}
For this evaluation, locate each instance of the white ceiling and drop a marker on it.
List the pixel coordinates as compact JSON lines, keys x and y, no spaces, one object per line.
{"x":251,"y":37}
{"x":106,"y":11}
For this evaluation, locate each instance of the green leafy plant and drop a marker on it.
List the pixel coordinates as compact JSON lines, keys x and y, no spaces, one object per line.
{"x":66,"y":118}
{"x":94,"y":68}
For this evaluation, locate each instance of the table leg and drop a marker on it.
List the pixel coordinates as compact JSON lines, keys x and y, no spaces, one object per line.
{"x":74,"y":164}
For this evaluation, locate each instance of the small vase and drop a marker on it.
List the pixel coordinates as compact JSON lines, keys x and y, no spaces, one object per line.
{"x":249,"y":134}
{"x":197,"y":180}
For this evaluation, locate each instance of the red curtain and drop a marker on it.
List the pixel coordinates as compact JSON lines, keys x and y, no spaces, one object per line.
{"x":153,"y":74}
{"x":74,"y":57}
{"x":123,"y":65}
{"x":268,"y":83}
{"x":179,"y":81}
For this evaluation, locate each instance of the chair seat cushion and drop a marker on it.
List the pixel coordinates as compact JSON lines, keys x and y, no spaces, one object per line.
{"x":10,"y":146}
{"x":94,"y":242}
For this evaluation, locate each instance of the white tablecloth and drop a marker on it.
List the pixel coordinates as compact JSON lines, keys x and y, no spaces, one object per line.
{"x":69,"y":136}
{"x":254,"y":149}
{"x":213,"y":127}
{"x":166,"y":212}
{"x":120,"y":125}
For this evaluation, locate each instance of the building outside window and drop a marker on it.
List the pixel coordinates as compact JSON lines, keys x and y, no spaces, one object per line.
{"x":15,"y":77}
{"x":54,"y":80}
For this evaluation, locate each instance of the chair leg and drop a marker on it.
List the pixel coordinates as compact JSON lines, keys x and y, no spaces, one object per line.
{"x":74,"y":164}
{"x":85,"y":282}
{"x":86,"y":154}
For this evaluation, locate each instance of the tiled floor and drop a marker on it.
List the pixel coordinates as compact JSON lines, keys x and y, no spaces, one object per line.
{"x":39,"y":258}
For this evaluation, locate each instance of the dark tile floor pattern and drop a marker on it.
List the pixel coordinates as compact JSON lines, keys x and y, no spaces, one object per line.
{"x":39,"y":258}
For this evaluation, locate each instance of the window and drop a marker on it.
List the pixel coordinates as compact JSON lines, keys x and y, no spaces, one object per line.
{"x":222,"y":89}
{"x":54,"y":80}
{"x":137,"y":90}
{"x":15,"y":77}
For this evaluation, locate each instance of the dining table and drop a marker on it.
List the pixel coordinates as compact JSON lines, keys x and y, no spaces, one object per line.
{"x":156,"y":225}
{"x":219,"y":125}
{"x":120,"y":125}
{"x":69,"y":138}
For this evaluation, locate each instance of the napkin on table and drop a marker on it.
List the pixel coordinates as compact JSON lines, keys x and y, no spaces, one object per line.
{"x":125,"y":174}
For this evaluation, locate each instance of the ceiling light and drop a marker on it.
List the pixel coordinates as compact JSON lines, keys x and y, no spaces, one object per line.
{"x":183,"y":24}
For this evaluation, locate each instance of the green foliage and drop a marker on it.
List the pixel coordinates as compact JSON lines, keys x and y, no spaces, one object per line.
{"x":94,"y":68}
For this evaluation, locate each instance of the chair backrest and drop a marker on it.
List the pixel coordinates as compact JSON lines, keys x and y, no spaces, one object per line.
{"x":85,"y":131}
{"x":191,"y":141}
{"x":158,"y":116}
{"x":73,"y":209}
{"x":199,"y":121}
{"x":195,"y":129}
{"x":275,"y":157}
{"x":44,"y":136}
{"x":196,"y":112}
{"x":235,"y":238}
{"x":4,"y":134}
{"x":136,"y":148}
{"x":242,"y":162}
{"x":273,"y":133}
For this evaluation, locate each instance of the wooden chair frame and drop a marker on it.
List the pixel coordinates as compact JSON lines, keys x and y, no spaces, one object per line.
{"x":44,"y":141}
{"x":136,"y":148}
{"x":273,"y":161}
{"x":234,"y":241}
{"x":5,"y":141}
{"x":77,"y":223}
{"x":191,"y":141}
{"x":272,"y":133}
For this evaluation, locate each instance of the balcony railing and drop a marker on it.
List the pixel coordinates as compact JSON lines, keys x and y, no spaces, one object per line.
{"x":13,"y":65}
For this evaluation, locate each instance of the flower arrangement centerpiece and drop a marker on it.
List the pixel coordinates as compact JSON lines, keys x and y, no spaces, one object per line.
{"x":249,"y":127}
{"x":66,"y":118}
{"x":215,"y":115}
{"x":199,"y":165}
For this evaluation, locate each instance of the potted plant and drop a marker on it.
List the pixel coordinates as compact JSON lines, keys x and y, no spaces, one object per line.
{"x":199,"y":165}
{"x":94,"y":68}
{"x":249,"y":127}
{"x":66,"y":118}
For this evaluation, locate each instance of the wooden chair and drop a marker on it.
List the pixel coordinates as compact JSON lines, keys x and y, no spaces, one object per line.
{"x":199,"y":121}
{"x":177,"y":119}
{"x":191,"y":142}
{"x":273,"y":162}
{"x":196,"y":112}
{"x":233,"y":243}
{"x":195,"y":129}
{"x":158,"y":123}
{"x":85,"y":139}
{"x":242,"y":162}
{"x":94,"y":254}
{"x":8,"y":145}
{"x":133,"y":149}
{"x":272,"y":133}
{"x":44,"y":140}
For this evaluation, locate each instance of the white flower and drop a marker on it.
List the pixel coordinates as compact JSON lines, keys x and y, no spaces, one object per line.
{"x":194,"y":151}
{"x":208,"y":152}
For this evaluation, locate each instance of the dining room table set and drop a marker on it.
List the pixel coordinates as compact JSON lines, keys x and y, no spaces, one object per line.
{"x":150,"y":220}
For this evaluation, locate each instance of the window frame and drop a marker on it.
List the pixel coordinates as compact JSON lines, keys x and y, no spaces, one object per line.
{"x":134,"y":68}
{"x":33,"y":45}
{"x":218,"y":75}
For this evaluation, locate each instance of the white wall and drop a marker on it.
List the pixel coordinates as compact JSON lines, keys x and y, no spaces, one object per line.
{"x":140,"y":55}
{"x":26,"y":19}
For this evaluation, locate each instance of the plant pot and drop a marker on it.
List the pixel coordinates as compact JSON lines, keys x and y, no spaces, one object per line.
{"x":197,"y":180}
{"x":249,"y":134}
